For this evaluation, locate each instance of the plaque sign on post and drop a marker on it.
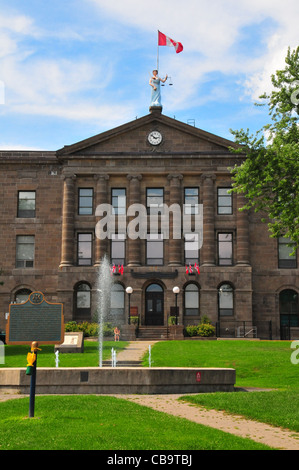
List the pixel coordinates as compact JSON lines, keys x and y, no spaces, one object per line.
{"x":35,"y":322}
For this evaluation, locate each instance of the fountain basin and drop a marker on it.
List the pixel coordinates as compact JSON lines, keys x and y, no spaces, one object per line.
{"x":123,"y":380}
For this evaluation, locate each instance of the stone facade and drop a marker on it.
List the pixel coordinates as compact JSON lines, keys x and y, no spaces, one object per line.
{"x":122,"y":158}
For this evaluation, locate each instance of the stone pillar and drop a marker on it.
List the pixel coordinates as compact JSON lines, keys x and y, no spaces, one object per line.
{"x":243,"y":256}
{"x":68,"y":217}
{"x":101,"y":197}
{"x":208,"y":250}
{"x":175,"y":245}
{"x":134,"y":246}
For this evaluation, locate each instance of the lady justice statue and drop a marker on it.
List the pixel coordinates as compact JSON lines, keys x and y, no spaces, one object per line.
{"x":156,"y":91}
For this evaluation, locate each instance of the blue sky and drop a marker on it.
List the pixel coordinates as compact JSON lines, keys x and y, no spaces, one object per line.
{"x":74,"y":68}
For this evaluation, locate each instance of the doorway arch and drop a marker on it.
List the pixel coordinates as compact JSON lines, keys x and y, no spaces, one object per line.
{"x":154,"y":305}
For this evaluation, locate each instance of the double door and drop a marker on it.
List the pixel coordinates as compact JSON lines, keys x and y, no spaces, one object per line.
{"x":154,"y":305}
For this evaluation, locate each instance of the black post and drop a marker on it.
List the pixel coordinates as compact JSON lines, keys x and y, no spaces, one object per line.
{"x":176,"y":309}
{"x":32,"y":389}
{"x":129,"y":315}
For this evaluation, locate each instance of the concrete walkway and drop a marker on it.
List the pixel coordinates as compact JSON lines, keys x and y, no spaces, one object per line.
{"x":134,"y":353}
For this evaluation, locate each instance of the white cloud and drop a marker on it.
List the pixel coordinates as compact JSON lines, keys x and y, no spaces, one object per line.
{"x":80,"y":88}
{"x":210,"y":32}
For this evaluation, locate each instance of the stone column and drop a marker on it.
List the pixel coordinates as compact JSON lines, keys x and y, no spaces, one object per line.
{"x":208,"y":250}
{"x":101,"y":197}
{"x":134,"y":246}
{"x":243,"y":256}
{"x":175,"y":225}
{"x":68,"y":217}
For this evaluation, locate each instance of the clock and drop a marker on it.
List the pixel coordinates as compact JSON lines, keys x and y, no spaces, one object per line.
{"x":155,"y":138}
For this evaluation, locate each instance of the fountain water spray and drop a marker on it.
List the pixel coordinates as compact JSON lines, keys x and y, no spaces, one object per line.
{"x":57,"y":358}
{"x":150,"y":356}
{"x":113,"y":357}
{"x":104,"y":285}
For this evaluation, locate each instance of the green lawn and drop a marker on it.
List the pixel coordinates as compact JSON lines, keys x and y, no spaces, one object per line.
{"x":16,"y":356}
{"x":260,"y":364}
{"x":276,"y":408}
{"x":87,"y":422}
{"x":105,"y":423}
{"x":265,"y":364}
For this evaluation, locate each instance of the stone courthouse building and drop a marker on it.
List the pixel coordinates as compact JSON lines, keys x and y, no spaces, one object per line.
{"x":247,"y":284}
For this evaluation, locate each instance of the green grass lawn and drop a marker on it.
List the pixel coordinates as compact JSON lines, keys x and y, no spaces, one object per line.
{"x":16,"y":355}
{"x":88,"y":422}
{"x":105,"y":423}
{"x":260,"y":364}
{"x":265,"y":364}
{"x":276,"y":408}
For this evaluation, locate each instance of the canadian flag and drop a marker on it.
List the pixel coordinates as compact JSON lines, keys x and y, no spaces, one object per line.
{"x":166,"y":41}
{"x":197,"y":268}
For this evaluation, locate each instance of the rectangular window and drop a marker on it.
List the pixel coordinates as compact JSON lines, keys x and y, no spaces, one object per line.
{"x":118,"y":248}
{"x":154,"y":249}
{"x":225,"y":201}
{"x":26,"y":204}
{"x":285,"y":257}
{"x":84,"y":249}
{"x":225,"y":249}
{"x":191,"y":248}
{"x":154,"y":199}
{"x":85,"y":206}
{"x":25,"y":251}
{"x":118,"y":197}
{"x":191,"y":200}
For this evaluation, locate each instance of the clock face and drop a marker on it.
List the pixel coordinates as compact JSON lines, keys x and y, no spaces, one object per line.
{"x":155,"y":138}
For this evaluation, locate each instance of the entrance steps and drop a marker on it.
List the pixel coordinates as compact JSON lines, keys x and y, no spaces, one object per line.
{"x":152,"y":333}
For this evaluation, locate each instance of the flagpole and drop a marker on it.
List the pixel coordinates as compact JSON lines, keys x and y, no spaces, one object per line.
{"x":158,"y":52}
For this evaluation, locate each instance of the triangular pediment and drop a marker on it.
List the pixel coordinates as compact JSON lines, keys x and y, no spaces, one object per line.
{"x":132,"y":137}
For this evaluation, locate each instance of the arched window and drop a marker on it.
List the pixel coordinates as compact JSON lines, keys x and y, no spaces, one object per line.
{"x":225,"y":300}
{"x":22,"y":295}
{"x":288,"y":308}
{"x":191,"y":299}
{"x":117,"y":305}
{"x":82,"y":301}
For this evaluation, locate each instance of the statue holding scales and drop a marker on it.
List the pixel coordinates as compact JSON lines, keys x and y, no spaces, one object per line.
{"x":156,"y":91}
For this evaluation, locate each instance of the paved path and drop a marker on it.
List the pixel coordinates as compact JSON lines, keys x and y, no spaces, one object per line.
{"x":135,"y":351}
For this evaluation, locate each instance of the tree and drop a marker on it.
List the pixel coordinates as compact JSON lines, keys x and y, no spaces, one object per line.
{"x":269,"y":175}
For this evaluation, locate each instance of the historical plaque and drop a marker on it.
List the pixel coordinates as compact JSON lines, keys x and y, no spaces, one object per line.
{"x":35,"y":320}
{"x":73,"y":343}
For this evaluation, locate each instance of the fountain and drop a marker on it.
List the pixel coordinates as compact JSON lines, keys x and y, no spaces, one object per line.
{"x":104,"y":285}
{"x":113,"y":357}
{"x":134,"y":380}
{"x":57,"y":358}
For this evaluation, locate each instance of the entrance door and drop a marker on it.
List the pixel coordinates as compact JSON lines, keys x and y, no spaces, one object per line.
{"x":288,"y":306}
{"x":154,"y":305}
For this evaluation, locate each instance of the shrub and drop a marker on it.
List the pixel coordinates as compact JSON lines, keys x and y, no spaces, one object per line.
{"x":206,"y":330}
{"x":71,"y":326}
{"x":89,"y":329}
{"x":202,"y":330}
{"x":205,"y":319}
{"x":191,"y":330}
